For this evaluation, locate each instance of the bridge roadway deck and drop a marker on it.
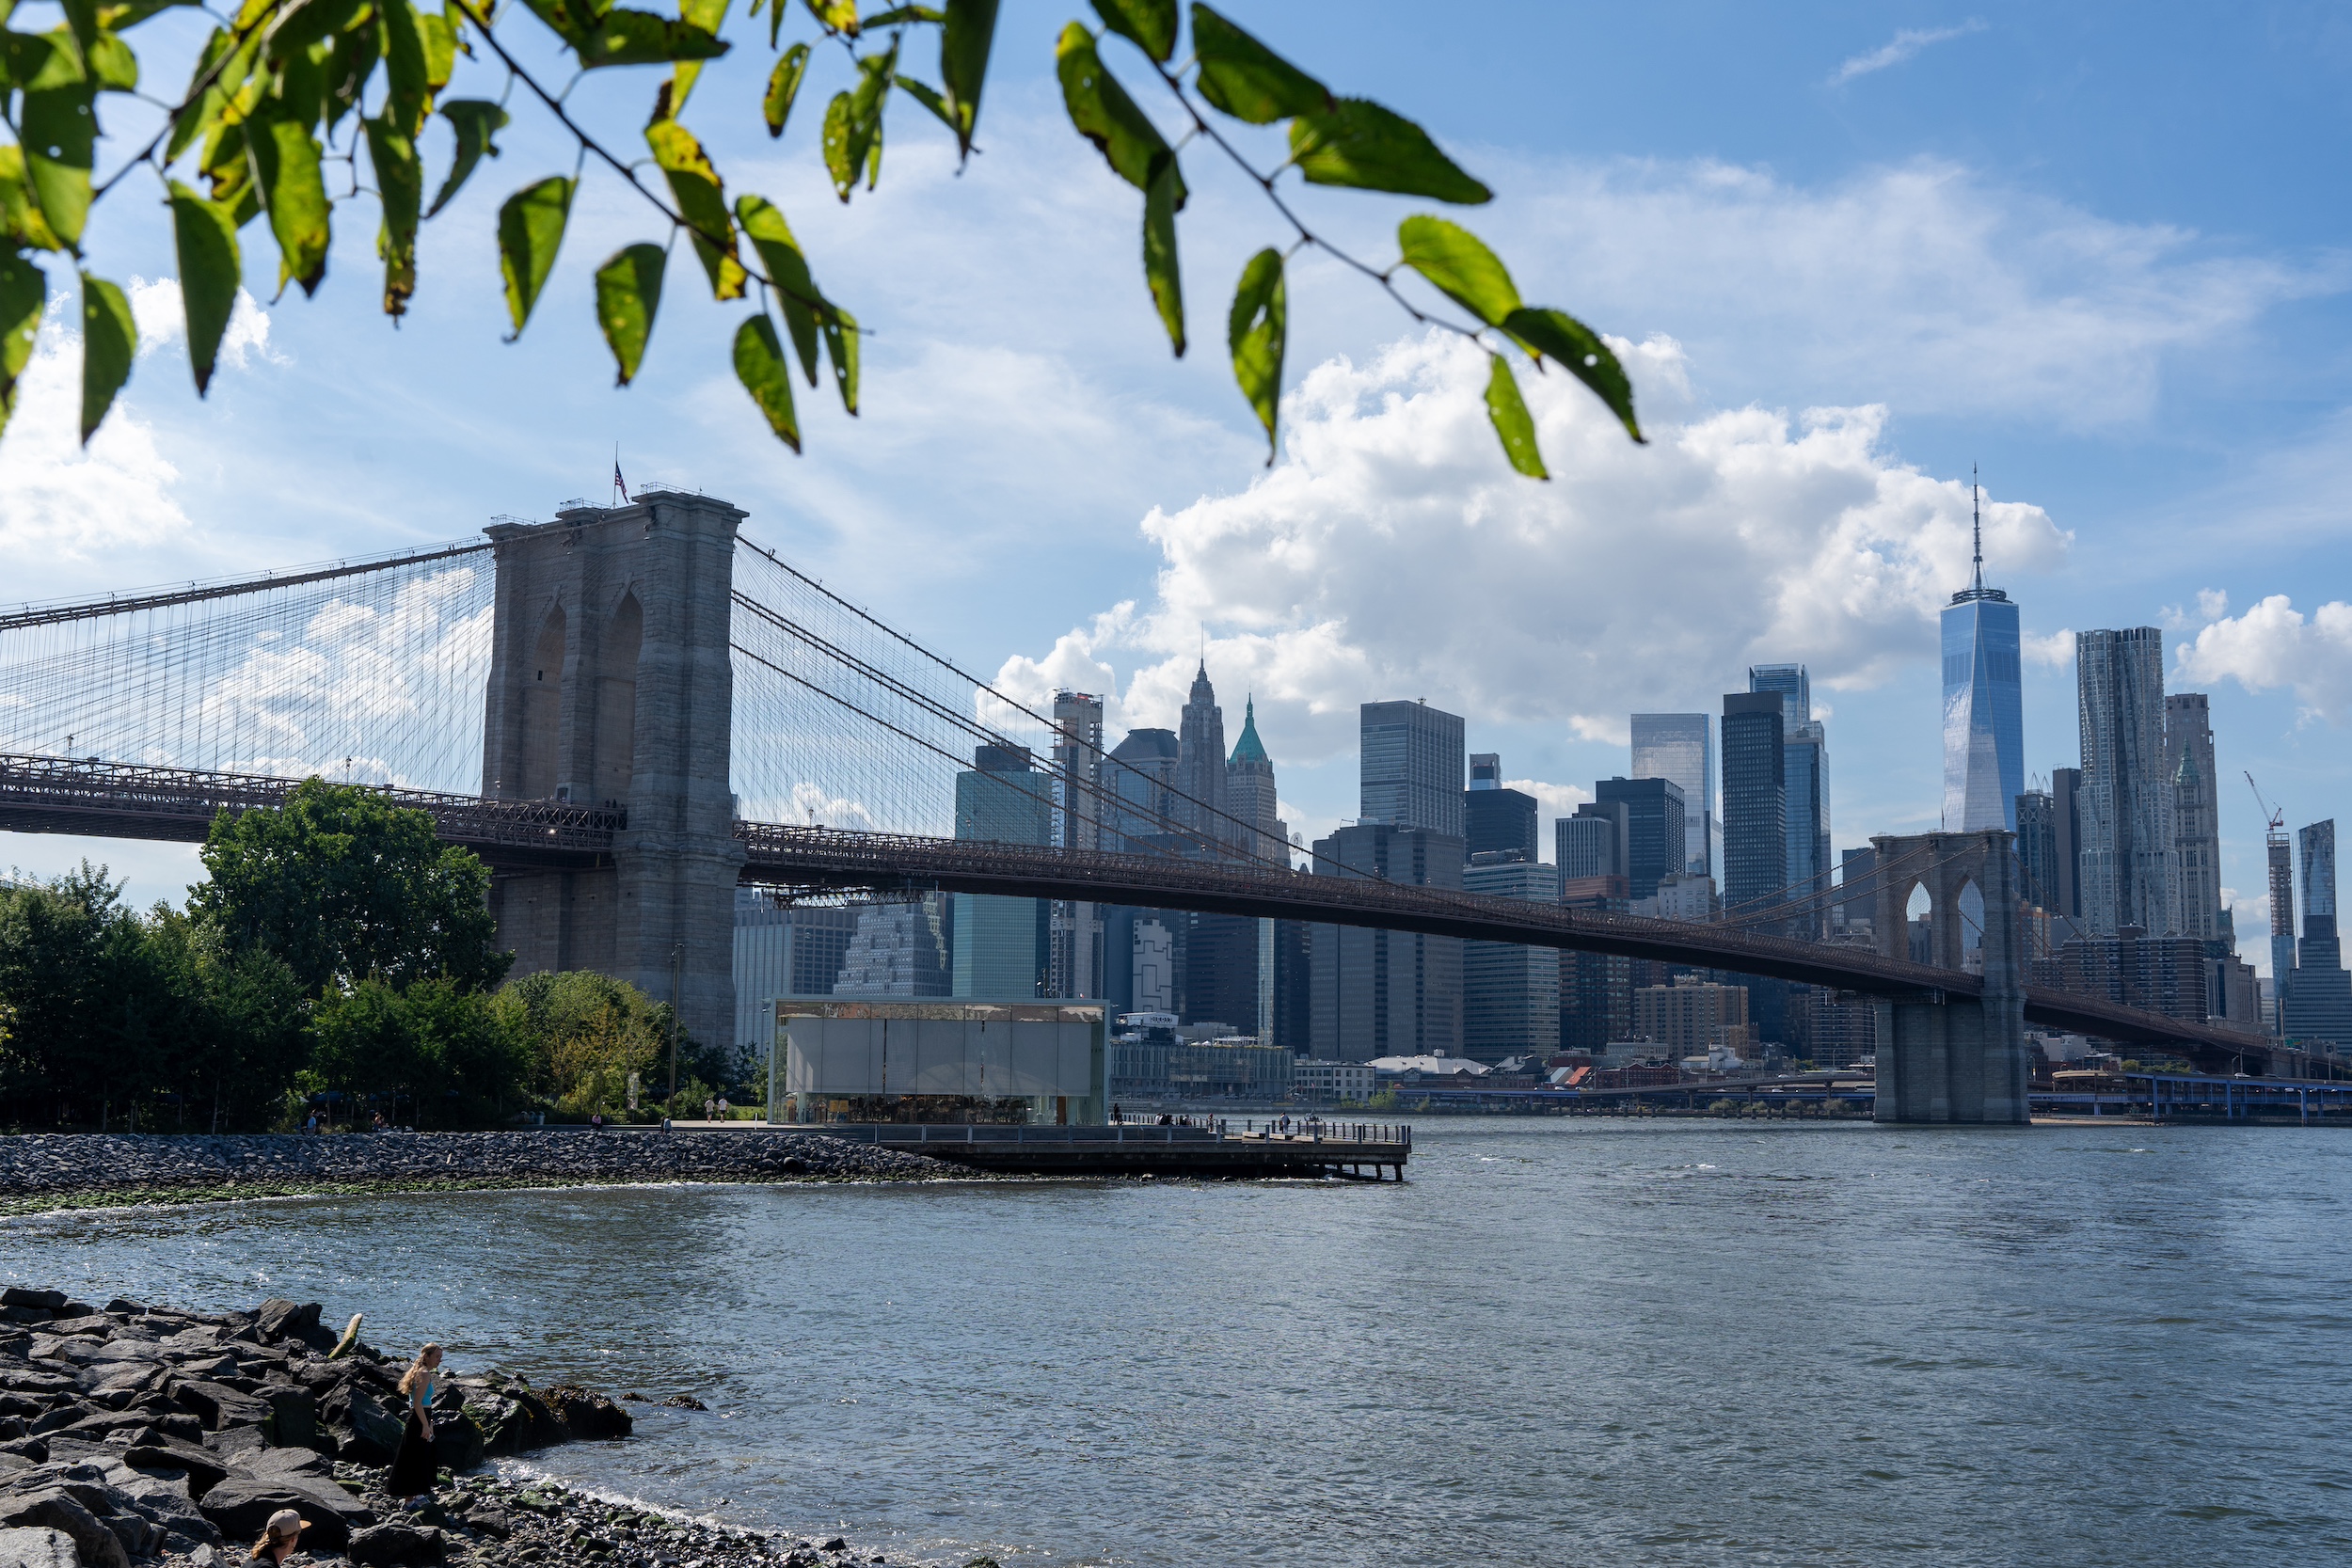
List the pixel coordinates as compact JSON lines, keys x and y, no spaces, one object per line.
{"x":1352,"y":1150}
{"x":128,"y":801}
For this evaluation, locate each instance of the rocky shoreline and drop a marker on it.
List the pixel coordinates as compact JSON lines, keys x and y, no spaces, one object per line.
{"x":134,"y":1435}
{"x":47,"y":1171}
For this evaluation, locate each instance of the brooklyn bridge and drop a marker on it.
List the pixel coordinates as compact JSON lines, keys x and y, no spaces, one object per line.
{"x":630,"y":710}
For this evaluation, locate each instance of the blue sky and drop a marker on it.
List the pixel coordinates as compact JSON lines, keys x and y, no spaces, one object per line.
{"x":1851,"y":249}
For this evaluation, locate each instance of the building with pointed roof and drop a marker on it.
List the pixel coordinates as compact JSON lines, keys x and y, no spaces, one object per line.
{"x":1201,"y":763}
{"x":1250,"y":789}
{"x":1984,"y":731}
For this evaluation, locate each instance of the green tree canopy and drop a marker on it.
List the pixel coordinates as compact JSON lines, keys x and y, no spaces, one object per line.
{"x":585,"y":1033}
{"x":435,"y":1049}
{"x":339,"y":885}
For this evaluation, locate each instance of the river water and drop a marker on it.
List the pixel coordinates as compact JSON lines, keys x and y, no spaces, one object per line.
{"x":1663,"y":1342}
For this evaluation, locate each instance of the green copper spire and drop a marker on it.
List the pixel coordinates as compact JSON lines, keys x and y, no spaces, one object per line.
{"x":1249,"y":748}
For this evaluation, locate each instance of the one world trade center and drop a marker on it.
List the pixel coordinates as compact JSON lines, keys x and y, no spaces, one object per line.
{"x":1985,"y":734}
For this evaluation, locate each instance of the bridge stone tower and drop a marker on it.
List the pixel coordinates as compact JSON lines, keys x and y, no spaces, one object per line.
{"x":610,"y":683}
{"x":1946,"y":1057}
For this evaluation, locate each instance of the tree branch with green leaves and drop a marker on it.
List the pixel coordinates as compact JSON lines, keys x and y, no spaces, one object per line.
{"x":254,"y":135}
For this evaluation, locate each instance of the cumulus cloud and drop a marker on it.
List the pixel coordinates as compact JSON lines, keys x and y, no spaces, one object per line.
{"x":2052,"y":650}
{"x":1905,"y":45}
{"x":2274,"y":644}
{"x":162,"y":319}
{"x":1394,"y":554}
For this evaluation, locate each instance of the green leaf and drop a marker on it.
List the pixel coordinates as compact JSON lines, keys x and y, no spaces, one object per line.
{"x":1360,"y":144}
{"x":293,"y":191}
{"x":897,"y":16}
{"x":399,"y":179}
{"x":304,"y":23}
{"x":123,"y":18}
{"x":760,"y":365}
{"x":531,"y":230}
{"x":964,"y":45}
{"x":475,"y":120}
{"x":702,"y":200}
{"x":110,"y":340}
{"x":230,"y":84}
{"x":836,"y":139}
{"x":24,"y":295}
{"x":1256,"y":331}
{"x":111,"y":66}
{"x":709,"y":15}
{"x":1159,"y":249}
{"x":1557,"y":336}
{"x":1149,"y":24}
{"x":641,"y":38}
{"x":570,"y":20}
{"x":1246,"y":79}
{"x":1507,"y":411}
{"x":407,"y":70}
{"x":783,"y":85}
{"x":929,"y":96}
{"x":205,"y":237}
{"x":628,"y":292}
{"x":21,"y":223}
{"x":59,"y":129}
{"x":440,"y":35}
{"x":788,"y":269}
{"x":852,"y":136}
{"x":1459,"y":263}
{"x":835,"y":16}
{"x":351,"y":60}
{"x":1105,"y":115}
{"x":841,"y":348}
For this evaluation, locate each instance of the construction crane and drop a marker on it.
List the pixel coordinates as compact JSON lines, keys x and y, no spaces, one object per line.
{"x":2272,"y":816}
{"x":2282,"y":866}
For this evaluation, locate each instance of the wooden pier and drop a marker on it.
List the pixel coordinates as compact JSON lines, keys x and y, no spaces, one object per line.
{"x":1357,"y":1151}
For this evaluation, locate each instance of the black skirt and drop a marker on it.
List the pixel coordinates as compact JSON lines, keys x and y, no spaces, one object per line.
{"x":413,"y":1468}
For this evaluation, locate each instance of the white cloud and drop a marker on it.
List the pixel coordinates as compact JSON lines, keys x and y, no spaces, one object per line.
{"x":2053,"y":651}
{"x":162,"y":319}
{"x":2272,"y":645}
{"x":1905,"y":45}
{"x":1394,"y":554}
{"x":1552,"y":801}
{"x":1609,"y":729}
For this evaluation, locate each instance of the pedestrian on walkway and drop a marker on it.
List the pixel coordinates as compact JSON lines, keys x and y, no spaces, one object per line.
{"x":723,"y":1107}
{"x":709,"y":1105}
{"x":414,"y":1467}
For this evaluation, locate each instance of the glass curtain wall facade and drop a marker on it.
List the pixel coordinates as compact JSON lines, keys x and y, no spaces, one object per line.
{"x":1984,"y":732}
{"x":2123,"y":800}
{"x":1003,"y":946}
{"x":1755,"y":801}
{"x":1411,"y":761}
{"x":1681,"y":747}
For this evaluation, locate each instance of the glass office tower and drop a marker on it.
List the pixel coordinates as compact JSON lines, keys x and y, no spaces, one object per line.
{"x":1681,"y":747}
{"x":1984,"y":727}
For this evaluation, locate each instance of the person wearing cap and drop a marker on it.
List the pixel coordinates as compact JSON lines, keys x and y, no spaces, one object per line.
{"x":280,"y":1538}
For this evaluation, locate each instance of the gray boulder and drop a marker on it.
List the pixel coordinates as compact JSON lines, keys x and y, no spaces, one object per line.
{"x":94,"y":1544}
{"x":36,"y":1547}
{"x":383,"y":1546}
{"x":241,"y":1505}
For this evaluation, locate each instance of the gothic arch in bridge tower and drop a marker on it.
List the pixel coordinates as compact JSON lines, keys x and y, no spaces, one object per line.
{"x":612,"y":758}
{"x":1947,"y":1055}
{"x":543,"y":710}
{"x":637,"y":600}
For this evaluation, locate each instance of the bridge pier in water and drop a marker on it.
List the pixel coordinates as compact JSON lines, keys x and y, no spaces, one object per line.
{"x":1946,"y":1056}
{"x":611,"y":682}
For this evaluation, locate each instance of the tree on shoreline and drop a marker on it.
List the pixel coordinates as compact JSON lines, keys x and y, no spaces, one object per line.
{"x":283,"y":97}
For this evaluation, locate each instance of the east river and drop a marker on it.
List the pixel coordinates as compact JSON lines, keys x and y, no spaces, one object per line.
{"x":1662,"y":1343}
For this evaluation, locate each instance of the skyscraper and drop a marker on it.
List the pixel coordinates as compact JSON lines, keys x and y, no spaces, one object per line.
{"x":1510,"y":991}
{"x":1141,"y":775}
{"x":1386,"y":993}
{"x":1411,"y":767}
{"x":2066,"y":828}
{"x":2126,"y":800}
{"x":1002,"y":947}
{"x":1755,"y":801}
{"x":1656,"y":815}
{"x":2319,"y":998}
{"x":1200,"y":763}
{"x":1984,"y":737}
{"x":2281,"y":853}
{"x":1596,"y":841}
{"x":1250,"y":790}
{"x":1681,"y":747}
{"x":2037,"y":847}
{"x":1496,"y":820}
{"x":1804,"y":748}
{"x":1077,"y":924}
{"x":2196,"y":811}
